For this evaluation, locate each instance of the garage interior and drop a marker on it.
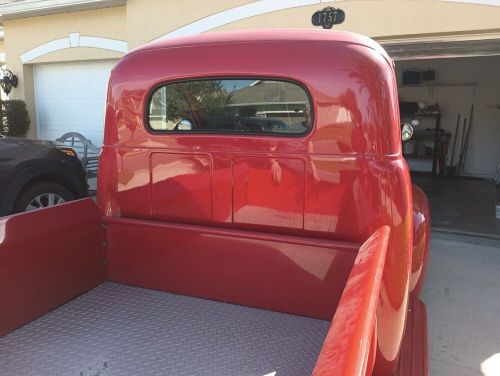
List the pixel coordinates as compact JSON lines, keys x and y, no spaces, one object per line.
{"x":450,"y":93}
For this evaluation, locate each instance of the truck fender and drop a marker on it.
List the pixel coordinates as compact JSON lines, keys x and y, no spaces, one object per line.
{"x":421,"y":237}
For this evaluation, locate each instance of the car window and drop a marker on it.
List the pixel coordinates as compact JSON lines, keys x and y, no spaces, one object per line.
{"x":231,"y":106}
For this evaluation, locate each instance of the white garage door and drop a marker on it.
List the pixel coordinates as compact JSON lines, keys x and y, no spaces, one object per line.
{"x":70,"y":97}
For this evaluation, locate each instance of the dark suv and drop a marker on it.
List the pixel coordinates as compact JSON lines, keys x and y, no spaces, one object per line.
{"x":36,"y":174}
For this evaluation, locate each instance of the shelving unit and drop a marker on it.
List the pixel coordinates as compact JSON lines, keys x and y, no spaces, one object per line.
{"x":435,"y":137}
{"x":426,"y":136}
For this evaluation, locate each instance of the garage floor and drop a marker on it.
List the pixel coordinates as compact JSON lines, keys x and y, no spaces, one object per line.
{"x":462,"y":294}
{"x":459,"y":205}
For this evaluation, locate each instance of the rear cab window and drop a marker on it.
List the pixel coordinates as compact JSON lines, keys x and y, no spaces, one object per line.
{"x":238,"y":106}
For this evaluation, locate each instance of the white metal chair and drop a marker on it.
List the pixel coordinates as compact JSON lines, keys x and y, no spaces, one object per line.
{"x":86,"y":150}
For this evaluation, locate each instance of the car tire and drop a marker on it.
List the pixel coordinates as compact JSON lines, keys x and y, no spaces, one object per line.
{"x":42,"y":195}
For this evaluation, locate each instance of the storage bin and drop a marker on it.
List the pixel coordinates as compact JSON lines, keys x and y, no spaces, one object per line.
{"x":411,"y":77}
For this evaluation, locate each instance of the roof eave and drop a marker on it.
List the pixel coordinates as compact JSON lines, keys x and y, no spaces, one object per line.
{"x":34,"y":8}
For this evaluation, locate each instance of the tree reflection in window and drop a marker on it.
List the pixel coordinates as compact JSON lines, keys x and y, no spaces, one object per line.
{"x":235,"y":106}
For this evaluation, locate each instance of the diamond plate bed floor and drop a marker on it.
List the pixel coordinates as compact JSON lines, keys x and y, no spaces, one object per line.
{"x":122,"y":330}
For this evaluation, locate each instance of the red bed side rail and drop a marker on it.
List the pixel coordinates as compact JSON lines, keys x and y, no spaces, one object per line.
{"x":350,"y":345}
{"x":48,"y":257}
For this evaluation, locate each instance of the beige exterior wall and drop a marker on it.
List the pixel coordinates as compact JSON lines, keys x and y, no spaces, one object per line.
{"x":382,"y":20}
{"x":23,"y":34}
{"x":150,"y":19}
{"x":386,"y":20}
{"x":141,"y":21}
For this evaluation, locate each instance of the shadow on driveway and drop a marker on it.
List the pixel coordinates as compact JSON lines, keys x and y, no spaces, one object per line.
{"x":460,"y":205}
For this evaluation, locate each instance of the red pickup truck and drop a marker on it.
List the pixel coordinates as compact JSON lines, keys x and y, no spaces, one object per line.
{"x":255,"y":216}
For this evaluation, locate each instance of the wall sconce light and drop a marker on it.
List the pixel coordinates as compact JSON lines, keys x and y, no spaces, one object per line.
{"x":8,"y":81}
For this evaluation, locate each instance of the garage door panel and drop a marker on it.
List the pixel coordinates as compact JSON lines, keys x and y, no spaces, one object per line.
{"x":70,"y":97}
{"x":75,"y":110}
{"x":52,"y":133}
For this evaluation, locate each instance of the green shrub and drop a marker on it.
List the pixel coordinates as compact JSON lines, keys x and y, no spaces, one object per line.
{"x":16,"y":120}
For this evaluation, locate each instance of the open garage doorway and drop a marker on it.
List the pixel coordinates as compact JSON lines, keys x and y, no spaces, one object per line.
{"x":450,"y":93}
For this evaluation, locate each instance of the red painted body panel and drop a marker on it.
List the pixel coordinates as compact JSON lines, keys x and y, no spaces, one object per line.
{"x":181,"y":186}
{"x":392,"y":309}
{"x":421,"y":238}
{"x":260,"y":181}
{"x":48,"y":257}
{"x":415,"y":353}
{"x":278,"y":272}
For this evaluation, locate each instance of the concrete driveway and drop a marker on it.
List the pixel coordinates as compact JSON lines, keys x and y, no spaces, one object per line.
{"x":462,"y":294}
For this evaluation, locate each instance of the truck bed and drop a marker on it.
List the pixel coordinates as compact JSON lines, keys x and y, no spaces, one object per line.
{"x":68,"y":307}
{"x":117,"y":329}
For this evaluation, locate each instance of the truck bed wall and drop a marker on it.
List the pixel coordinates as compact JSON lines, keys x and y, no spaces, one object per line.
{"x":297,"y":275}
{"x":48,"y":257}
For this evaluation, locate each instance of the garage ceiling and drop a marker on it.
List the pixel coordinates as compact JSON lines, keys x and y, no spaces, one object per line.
{"x":436,"y":50}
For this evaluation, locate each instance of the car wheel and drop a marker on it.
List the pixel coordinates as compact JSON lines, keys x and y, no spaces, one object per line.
{"x":42,"y":195}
